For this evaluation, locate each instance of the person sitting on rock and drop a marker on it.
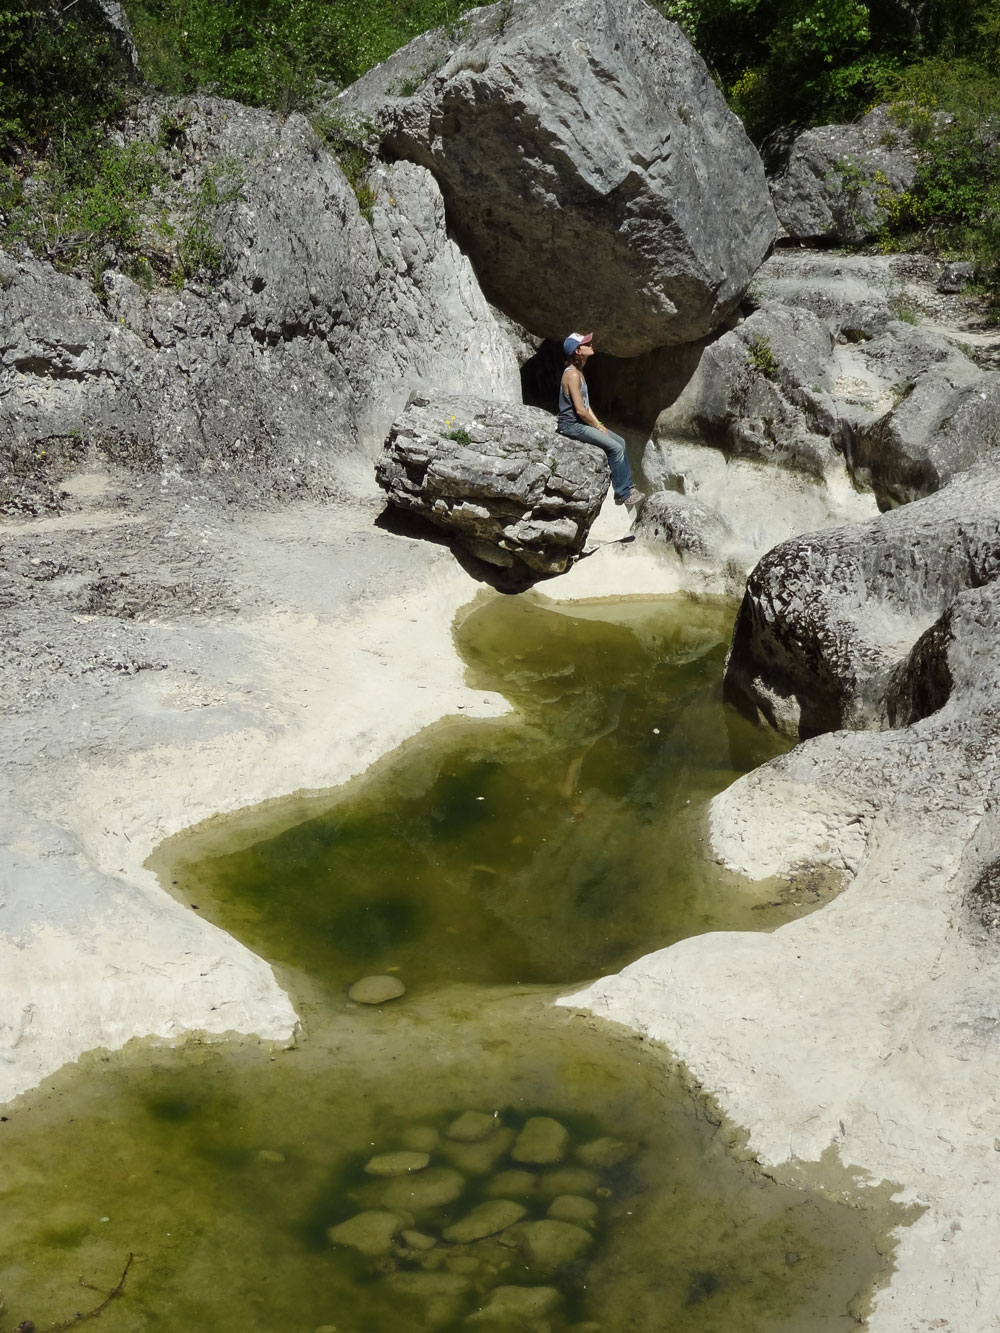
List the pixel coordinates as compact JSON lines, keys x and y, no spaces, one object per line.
{"x":578,"y":422}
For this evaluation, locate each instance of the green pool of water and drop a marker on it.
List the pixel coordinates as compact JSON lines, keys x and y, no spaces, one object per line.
{"x":482,"y":865}
{"x":552,"y":847}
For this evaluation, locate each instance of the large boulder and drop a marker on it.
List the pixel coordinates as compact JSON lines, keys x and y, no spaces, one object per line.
{"x":268,"y":374}
{"x":841,"y":181}
{"x":590,"y":166}
{"x":496,"y":478}
{"x":829,"y":621}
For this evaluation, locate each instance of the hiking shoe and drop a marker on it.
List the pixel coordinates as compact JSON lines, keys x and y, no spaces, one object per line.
{"x":632,"y":496}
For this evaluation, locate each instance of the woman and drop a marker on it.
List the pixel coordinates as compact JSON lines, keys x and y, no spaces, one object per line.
{"x":578,"y":422}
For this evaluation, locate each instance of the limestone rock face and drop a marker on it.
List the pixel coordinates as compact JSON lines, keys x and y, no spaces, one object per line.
{"x":840,"y":180}
{"x":902,"y":408}
{"x":497,"y":478}
{"x":583,"y":153}
{"x":831,"y":632}
{"x":946,"y":419}
{"x":265,"y":378}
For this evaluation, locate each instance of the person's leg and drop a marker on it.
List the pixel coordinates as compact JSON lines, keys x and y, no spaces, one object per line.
{"x":613,"y":446}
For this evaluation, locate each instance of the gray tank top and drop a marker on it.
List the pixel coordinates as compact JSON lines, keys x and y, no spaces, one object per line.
{"x":567,"y":412}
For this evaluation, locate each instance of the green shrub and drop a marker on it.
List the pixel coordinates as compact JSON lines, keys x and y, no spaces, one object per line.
{"x":760,"y":357}
{"x":272,"y":52}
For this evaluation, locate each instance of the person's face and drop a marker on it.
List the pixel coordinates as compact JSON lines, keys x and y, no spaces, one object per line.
{"x":585,"y":351}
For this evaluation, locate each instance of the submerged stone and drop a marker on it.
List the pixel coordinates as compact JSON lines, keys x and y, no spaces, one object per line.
{"x":441,"y":1293}
{"x":430,"y":1188}
{"x":541,"y":1141}
{"x":479,"y":1158}
{"x":511,"y":1185}
{"x":466,"y":1264}
{"x":548,"y":1244}
{"x":472,"y":1126}
{"x":417,"y":1240}
{"x":569,"y":1180}
{"x":371,"y":1232}
{"x":510,"y":1307}
{"x":420,"y":1138}
{"x":486,"y":1219}
{"x":573,"y":1208}
{"x":376,"y":990}
{"x":604,"y":1152}
{"x":396,"y":1163}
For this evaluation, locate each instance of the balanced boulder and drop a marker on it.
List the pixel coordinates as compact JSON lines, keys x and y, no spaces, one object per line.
{"x":590,"y":167}
{"x":497,"y":478}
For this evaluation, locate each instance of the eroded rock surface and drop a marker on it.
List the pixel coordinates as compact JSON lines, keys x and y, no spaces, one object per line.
{"x":828,"y":619}
{"x":266,"y":379}
{"x":901,"y":407}
{"x":585,"y":137}
{"x":497,"y":478}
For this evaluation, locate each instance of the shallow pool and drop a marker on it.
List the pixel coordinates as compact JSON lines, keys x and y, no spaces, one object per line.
{"x":387,"y":1173}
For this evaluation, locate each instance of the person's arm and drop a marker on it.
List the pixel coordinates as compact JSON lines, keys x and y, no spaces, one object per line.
{"x":583,"y":414}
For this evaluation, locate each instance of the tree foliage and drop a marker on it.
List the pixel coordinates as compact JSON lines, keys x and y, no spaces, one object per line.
{"x":806,"y":62}
{"x":273,"y":52}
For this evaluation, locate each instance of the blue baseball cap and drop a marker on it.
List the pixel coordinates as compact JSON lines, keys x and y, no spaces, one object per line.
{"x":576,"y":340}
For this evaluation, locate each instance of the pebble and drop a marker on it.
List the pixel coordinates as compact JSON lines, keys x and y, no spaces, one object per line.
{"x":549,"y":1244}
{"x":376,"y":990}
{"x":603,"y":1153}
{"x":568,"y":1180}
{"x":513,"y":1307}
{"x":396,"y":1163}
{"x":420,"y":1138}
{"x":467,"y":1264}
{"x":541,"y":1141}
{"x":417,"y":1240}
{"x":426,"y":1285}
{"x":430,"y":1188}
{"x":372,"y":1232}
{"x":511,"y":1185}
{"x":471,"y":1126}
{"x":486,"y":1219}
{"x":478,"y":1159}
{"x":573,"y":1208}
{"x":441,"y":1293}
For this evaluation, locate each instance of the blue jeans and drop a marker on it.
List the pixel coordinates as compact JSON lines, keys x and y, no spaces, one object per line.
{"x":612,"y":444}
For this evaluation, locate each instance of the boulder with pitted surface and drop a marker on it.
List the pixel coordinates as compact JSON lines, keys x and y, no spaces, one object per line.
{"x":496,"y":478}
{"x":583,"y":152}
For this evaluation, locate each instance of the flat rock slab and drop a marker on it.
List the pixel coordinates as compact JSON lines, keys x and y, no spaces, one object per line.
{"x":376,"y":990}
{"x":396,"y":1163}
{"x":497,"y":478}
